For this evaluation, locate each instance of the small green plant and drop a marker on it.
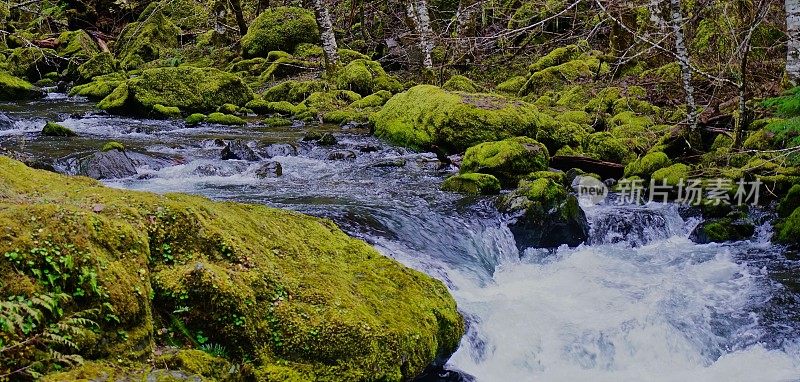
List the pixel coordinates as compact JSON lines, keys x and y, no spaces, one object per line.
{"x":216,"y":350}
{"x":112,"y":146}
{"x":37,"y":337}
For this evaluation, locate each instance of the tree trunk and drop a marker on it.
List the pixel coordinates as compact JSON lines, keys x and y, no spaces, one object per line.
{"x":465,"y":18}
{"x":236,"y":6}
{"x":219,"y":17}
{"x":329,"y":47}
{"x":793,"y":45}
{"x":682,"y":53}
{"x":656,"y":13}
{"x":418,"y":11}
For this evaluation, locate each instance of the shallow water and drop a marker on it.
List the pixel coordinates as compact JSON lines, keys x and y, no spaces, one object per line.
{"x":640,"y":302}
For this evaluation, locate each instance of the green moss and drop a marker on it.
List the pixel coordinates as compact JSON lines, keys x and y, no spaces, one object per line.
{"x":472,"y":184}
{"x":294,"y":91}
{"x":13,"y":88}
{"x":277,"y":122}
{"x":787,"y":231}
{"x":790,"y":202}
{"x":285,"y":67}
{"x":77,"y":45}
{"x":33,"y":62}
{"x":108,"y":146}
{"x":319,"y":104}
{"x":228,"y":108}
{"x":644,"y":167}
{"x":188,"y":88}
{"x":734,"y":227}
{"x":558,"y":177}
{"x":459,"y":83}
{"x":563,"y":67}
{"x":508,"y":160}
{"x":99,"y":88}
{"x":607,"y":147}
{"x":195,"y":119}
{"x":167,"y":111}
{"x":786,"y":132}
{"x":279,"y":288}
{"x":556,"y":57}
{"x":225,"y":119}
{"x":760,"y":140}
{"x":366,"y":77}
{"x":558,"y":134}
{"x":673,"y":175}
{"x":511,"y":86}
{"x":52,"y":129}
{"x":372,"y":101}
{"x":154,"y":37}
{"x":279,"y":28}
{"x":426,"y":115}
{"x":100,"y":64}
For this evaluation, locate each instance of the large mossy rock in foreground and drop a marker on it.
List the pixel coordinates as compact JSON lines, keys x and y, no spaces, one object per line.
{"x":290,"y":292}
{"x":426,"y":115}
{"x":187,"y":88}
{"x":279,"y":28}
{"x":547,"y":216}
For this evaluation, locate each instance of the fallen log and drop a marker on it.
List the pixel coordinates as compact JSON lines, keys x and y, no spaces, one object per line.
{"x":605,"y":169}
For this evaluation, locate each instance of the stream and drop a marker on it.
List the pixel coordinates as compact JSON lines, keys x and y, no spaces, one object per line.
{"x":640,"y":302}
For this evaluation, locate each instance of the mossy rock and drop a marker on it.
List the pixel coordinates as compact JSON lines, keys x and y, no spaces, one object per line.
{"x":167,"y":111}
{"x":556,"y":176}
{"x":511,"y":86}
{"x":672,"y":175}
{"x":374,"y":100}
{"x":195,"y":119}
{"x":319,"y":104}
{"x":761,"y":140}
{"x":294,"y":91}
{"x":277,"y":122}
{"x":33,"y":62}
{"x":188,"y":88}
{"x":552,"y":74}
{"x":285,"y":67}
{"x":508,"y":160}
{"x":558,"y":134}
{"x":100,"y":64}
{"x":647,"y":165}
{"x":472,"y":184}
{"x":52,"y":129}
{"x":426,"y":115}
{"x":550,"y":215}
{"x":112,"y":146}
{"x":607,"y":147}
{"x":99,"y":88}
{"x":279,"y":28}
{"x":790,"y":202}
{"x":275,"y":287}
{"x":366,"y":77}
{"x":154,"y":37}
{"x":13,"y":88}
{"x":459,"y":83}
{"x":225,"y":119}
{"x":77,"y":45}
{"x":736,"y":226}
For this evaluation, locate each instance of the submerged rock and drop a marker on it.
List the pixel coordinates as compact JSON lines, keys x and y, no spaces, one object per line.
{"x":238,"y":150}
{"x":426,"y":115}
{"x":342,"y":155}
{"x":547,"y":216}
{"x":255,"y":280}
{"x":270,"y":169}
{"x":736,"y":226}
{"x":112,"y":164}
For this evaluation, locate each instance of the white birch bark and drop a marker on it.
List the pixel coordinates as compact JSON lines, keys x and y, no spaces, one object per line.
{"x":793,"y":44}
{"x":682,"y":54}
{"x":419,"y":9}
{"x":329,"y":46}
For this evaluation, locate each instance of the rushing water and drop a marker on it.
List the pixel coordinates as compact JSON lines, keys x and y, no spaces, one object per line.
{"x":640,"y":302}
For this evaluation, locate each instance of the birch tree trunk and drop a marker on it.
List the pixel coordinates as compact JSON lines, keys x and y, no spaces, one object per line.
{"x":219,"y":17}
{"x":676,"y":19}
{"x":656,"y":13}
{"x":418,"y":12}
{"x":793,"y":45}
{"x":329,"y":46}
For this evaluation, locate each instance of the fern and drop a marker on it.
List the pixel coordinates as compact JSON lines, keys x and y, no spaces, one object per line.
{"x":36,"y":337}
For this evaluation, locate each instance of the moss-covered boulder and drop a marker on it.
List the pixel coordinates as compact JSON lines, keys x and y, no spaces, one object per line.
{"x":225,"y":119}
{"x":508,"y":160}
{"x":647,"y":165}
{"x":77,"y":45}
{"x":52,"y":129}
{"x":100,"y":64}
{"x":166,"y":111}
{"x":607,"y":147}
{"x":154,"y":37}
{"x":736,"y":226}
{"x":472,"y":184}
{"x":294,"y":91}
{"x":459,"y":83}
{"x":286,"y":292}
{"x":188,"y":88}
{"x":790,"y":202}
{"x":672,"y":175}
{"x":562,"y":67}
{"x":33,"y":62}
{"x":100,"y":87}
{"x":279,"y":28}
{"x":13,"y":88}
{"x":546,"y":215}
{"x":787,"y":231}
{"x":366,"y":77}
{"x":426,"y":115}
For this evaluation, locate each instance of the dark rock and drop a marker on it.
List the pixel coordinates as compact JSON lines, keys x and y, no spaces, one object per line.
{"x":112,"y":164}
{"x":297,"y":124}
{"x":221,"y":169}
{"x":6,"y":123}
{"x":312,"y":136}
{"x":280,"y":150}
{"x":736,"y":226}
{"x":328,"y":140}
{"x":342,"y":155}
{"x":546,"y":215}
{"x":270,"y":169}
{"x":390,"y":162}
{"x":368,"y":148}
{"x":354,"y":125}
{"x":238,"y":150}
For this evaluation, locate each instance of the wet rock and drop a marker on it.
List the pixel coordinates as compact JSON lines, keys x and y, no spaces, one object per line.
{"x":237,"y":150}
{"x":735,"y":226}
{"x":298,"y":124}
{"x":270,"y":169}
{"x":368,"y":148}
{"x":342,"y":155}
{"x":220,"y":169}
{"x":323,"y":139}
{"x":112,"y":164}
{"x":280,"y":150}
{"x":546,"y":215}
{"x":390,"y":162}
{"x":52,"y":129}
{"x":6,"y":123}
{"x":355,"y":125}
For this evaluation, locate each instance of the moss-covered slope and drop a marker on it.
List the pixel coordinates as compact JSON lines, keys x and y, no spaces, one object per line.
{"x":289,"y":292}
